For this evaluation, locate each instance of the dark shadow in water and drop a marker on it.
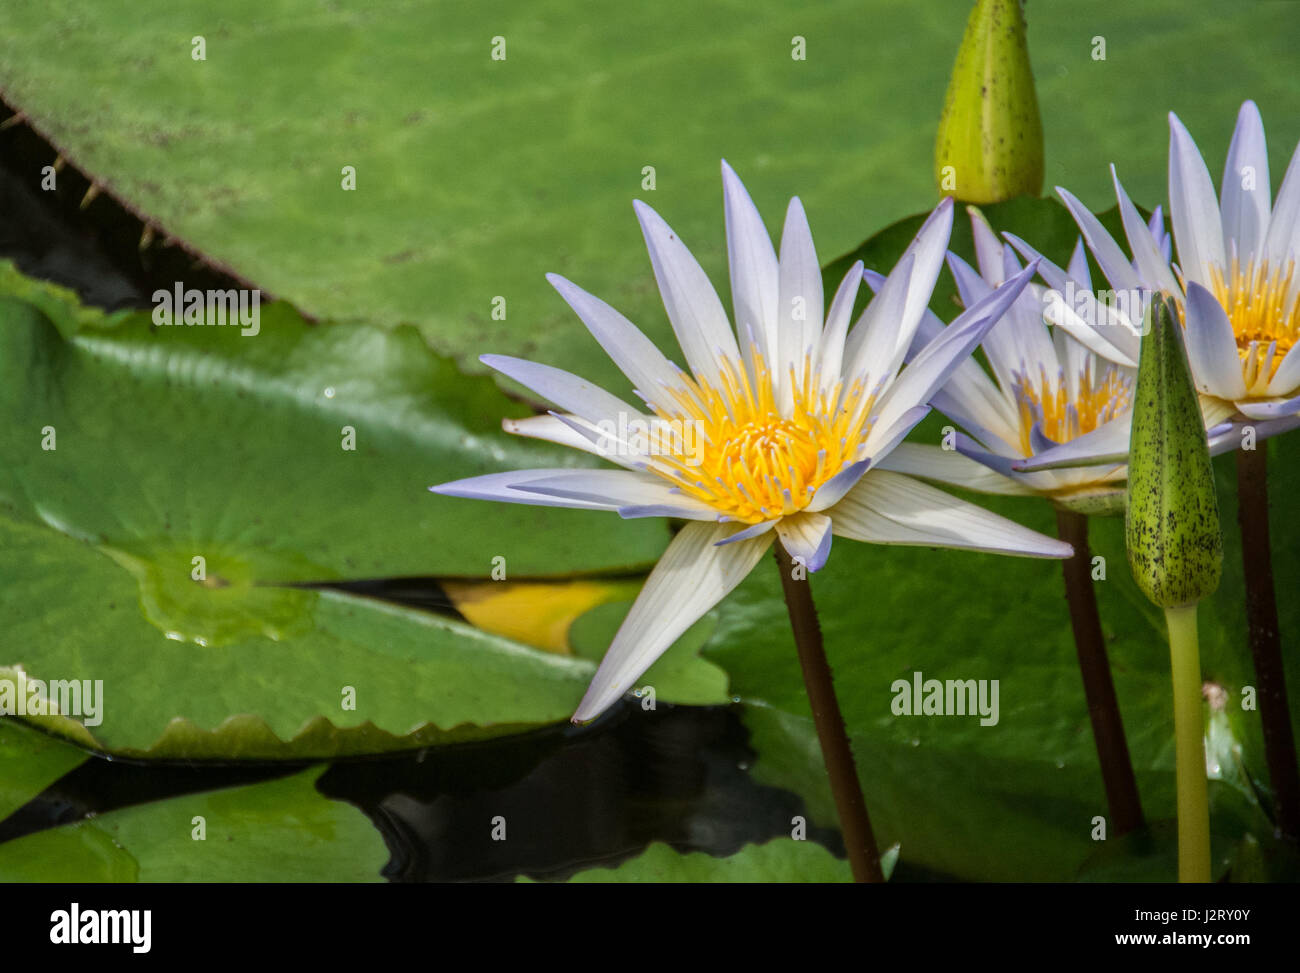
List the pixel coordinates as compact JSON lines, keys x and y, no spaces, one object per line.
{"x":570,"y":797}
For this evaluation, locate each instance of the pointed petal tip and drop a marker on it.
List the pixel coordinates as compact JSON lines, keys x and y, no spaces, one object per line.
{"x":822,"y":554}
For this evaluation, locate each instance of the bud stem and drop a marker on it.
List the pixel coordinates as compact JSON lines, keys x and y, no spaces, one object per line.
{"x":1189,"y":747}
{"x":855,"y":825}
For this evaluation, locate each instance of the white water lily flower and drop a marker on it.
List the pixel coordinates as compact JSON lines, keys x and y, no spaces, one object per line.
{"x":1237,"y":282}
{"x":779,"y":428}
{"x":1053,"y":416}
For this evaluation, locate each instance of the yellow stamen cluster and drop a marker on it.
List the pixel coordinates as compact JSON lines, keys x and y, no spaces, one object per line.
{"x":757,"y":462}
{"x":1263,"y":305}
{"x":1067,"y":414}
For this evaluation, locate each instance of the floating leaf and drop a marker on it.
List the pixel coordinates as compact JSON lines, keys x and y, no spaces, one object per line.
{"x":171,"y":540}
{"x":279,"y":831}
{"x":779,"y":860}
{"x":29,"y":762}
{"x":475,"y":176}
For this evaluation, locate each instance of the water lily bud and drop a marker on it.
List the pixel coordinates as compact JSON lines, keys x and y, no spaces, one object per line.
{"x":990,"y":144}
{"x":1175,"y":545}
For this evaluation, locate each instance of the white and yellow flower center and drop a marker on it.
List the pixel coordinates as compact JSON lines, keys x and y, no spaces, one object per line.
{"x":755,"y":461}
{"x":1065,"y":413}
{"x":1262,"y":302}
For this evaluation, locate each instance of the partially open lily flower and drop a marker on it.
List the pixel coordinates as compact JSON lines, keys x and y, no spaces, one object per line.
{"x":1052,"y":417}
{"x":1237,"y":284}
{"x":779,"y":428}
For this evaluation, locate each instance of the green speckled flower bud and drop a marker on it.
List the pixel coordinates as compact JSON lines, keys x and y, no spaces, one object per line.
{"x":1175,"y":545}
{"x":990,"y":143}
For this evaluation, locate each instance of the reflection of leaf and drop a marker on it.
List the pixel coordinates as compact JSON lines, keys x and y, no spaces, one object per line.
{"x":779,"y":860}
{"x":475,"y":177}
{"x":29,"y":762}
{"x":280,"y":831}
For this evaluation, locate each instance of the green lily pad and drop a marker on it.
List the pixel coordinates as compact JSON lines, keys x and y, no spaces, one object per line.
{"x":172,"y":544}
{"x":779,"y":860}
{"x":29,"y":762}
{"x":279,"y":831}
{"x":301,"y":453}
{"x":475,"y":176}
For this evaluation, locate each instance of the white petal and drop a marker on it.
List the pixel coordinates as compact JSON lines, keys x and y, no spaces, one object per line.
{"x":1104,"y":330}
{"x":1287,"y":377}
{"x":1150,"y":261}
{"x":928,"y":248}
{"x":1274,"y":409}
{"x":692,"y":304}
{"x":802,"y":301}
{"x":883,"y":439}
{"x":1108,"y":443}
{"x":969,"y":395}
{"x":753,"y":266}
{"x":1119,"y":272}
{"x":1244,"y":192}
{"x":693,"y":575}
{"x":950,"y":467}
{"x":837,"y":326}
{"x":1212,"y":346}
{"x":880,"y":340}
{"x":870,"y":348}
{"x":556,"y":430}
{"x":830,"y":492}
{"x":636,"y":355}
{"x":971,"y":284}
{"x":1264,"y":429}
{"x":753,"y":530}
{"x":932,"y":366}
{"x":502,"y":486}
{"x":1283,"y":240}
{"x":1020,"y":341}
{"x":564,"y":389}
{"x":889,"y":508}
{"x":1078,"y":269}
{"x":1002,"y":434}
{"x":619,"y":489}
{"x":988,"y":248}
{"x":1193,"y":207}
{"x":807,"y":538}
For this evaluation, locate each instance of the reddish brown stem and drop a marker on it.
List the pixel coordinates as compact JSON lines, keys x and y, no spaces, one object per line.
{"x":855,"y":825}
{"x":1098,"y":686}
{"x":1265,"y":639}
